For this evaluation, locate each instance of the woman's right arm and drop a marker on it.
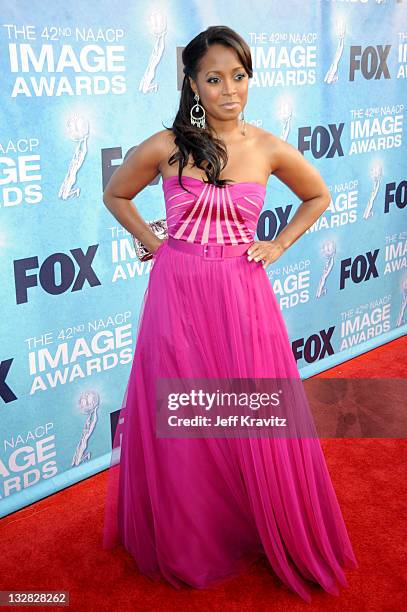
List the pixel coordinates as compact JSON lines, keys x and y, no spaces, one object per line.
{"x":137,"y":171}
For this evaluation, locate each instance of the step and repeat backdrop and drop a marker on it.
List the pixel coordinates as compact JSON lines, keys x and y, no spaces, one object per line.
{"x":84,"y":83}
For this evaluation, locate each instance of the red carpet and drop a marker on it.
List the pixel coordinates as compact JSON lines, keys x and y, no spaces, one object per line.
{"x":55,"y":544}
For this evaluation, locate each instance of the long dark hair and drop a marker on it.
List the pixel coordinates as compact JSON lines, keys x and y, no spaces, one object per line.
{"x":208,"y":152}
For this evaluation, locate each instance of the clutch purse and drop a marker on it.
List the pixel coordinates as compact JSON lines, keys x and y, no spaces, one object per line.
{"x":159,"y":227}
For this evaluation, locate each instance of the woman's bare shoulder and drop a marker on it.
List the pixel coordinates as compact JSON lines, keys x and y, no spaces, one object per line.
{"x":276,"y":149}
{"x":289,"y":165}
{"x":163,"y":142}
{"x":267,"y":138}
{"x":157,"y":148}
{"x":167,"y":137}
{"x":160,"y":141}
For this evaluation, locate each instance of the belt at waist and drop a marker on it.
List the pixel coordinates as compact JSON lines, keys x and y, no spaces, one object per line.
{"x":209,"y":251}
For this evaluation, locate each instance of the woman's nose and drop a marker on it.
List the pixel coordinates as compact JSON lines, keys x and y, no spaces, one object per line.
{"x":229,"y":87}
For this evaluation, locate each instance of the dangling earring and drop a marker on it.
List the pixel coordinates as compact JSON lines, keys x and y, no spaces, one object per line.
{"x":199,"y":121}
{"x":243,"y":127}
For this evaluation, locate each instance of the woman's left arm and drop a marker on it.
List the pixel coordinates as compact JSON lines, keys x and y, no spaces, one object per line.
{"x":306,"y":183}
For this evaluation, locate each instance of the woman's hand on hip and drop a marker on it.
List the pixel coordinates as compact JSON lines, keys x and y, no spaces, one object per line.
{"x":267,"y":251}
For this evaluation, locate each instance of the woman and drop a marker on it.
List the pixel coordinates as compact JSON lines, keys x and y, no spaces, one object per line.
{"x":198,"y":510}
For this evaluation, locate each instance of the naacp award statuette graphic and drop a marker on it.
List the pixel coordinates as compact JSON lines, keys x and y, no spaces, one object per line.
{"x":375,"y":174}
{"x":158,"y":27}
{"x":77,"y":128}
{"x":328,"y":252}
{"x":332,"y":74}
{"x":285,"y":113}
{"x":88,"y":404}
{"x":400,"y":318}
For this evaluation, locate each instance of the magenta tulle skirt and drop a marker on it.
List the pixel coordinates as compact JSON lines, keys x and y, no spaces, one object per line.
{"x":196,"y":511}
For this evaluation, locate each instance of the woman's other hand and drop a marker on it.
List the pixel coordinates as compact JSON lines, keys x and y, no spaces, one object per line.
{"x":267,"y":251}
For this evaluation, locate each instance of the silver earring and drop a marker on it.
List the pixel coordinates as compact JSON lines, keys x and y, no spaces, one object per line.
{"x":200,"y":120}
{"x":243,"y":128}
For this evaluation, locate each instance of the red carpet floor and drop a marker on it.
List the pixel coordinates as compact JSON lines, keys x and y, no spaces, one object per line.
{"x":55,"y":544}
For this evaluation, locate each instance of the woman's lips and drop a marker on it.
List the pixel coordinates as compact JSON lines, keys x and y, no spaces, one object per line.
{"x":229,"y":105}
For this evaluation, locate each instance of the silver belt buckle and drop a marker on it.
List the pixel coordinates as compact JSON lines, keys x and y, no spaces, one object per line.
{"x":213,"y":251}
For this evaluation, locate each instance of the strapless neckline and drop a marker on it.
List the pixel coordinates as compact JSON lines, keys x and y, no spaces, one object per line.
{"x":203,"y":213}
{"x":197,"y":180}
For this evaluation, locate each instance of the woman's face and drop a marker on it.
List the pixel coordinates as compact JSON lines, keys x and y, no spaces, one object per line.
{"x":221,"y":80}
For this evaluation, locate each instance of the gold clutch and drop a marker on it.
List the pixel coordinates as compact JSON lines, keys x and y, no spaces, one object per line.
{"x":159,"y":227}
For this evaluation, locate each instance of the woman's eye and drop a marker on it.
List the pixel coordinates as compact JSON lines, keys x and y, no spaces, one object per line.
{"x":211,"y":79}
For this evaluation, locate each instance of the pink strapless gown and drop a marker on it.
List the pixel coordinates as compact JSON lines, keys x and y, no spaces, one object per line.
{"x":197,"y":511}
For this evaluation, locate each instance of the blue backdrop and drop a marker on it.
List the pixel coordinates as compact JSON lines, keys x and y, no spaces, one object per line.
{"x":82,"y":83}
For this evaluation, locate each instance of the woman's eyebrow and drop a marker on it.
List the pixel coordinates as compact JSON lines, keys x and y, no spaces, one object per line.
{"x":220,"y":71}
